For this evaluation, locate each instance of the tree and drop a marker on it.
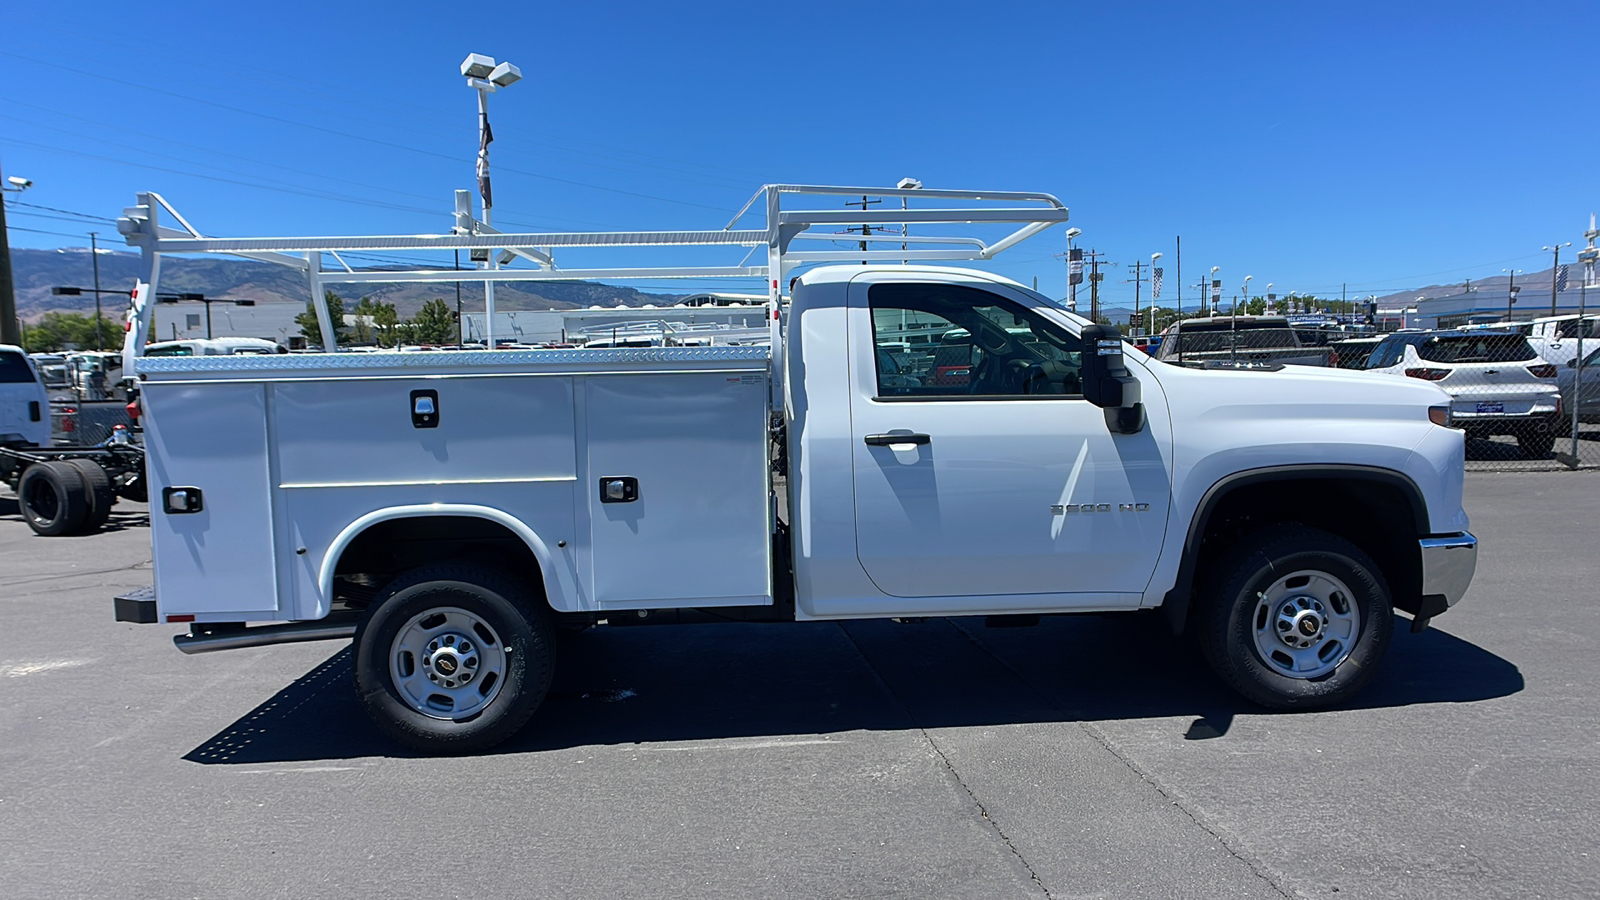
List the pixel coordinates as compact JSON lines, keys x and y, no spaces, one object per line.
{"x":434,"y":323}
{"x":361,"y":329}
{"x":70,"y":331}
{"x":312,"y":329}
{"x":387,"y":321}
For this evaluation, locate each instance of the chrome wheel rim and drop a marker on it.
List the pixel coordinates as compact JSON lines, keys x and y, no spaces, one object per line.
{"x":1305,"y":624}
{"x":447,"y":663}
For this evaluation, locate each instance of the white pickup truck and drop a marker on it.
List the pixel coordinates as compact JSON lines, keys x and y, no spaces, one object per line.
{"x":917,"y":441}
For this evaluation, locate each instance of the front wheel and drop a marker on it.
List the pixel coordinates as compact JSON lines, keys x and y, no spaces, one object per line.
{"x":453,"y":658}
{"x":1296,"y":618}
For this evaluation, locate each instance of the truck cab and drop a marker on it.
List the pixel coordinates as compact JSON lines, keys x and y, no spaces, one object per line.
{"x":24,"y":403}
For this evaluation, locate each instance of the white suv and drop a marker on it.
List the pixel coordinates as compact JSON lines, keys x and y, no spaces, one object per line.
{"x":1496,"y":382}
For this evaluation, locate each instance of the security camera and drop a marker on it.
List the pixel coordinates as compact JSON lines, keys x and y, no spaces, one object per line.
{"x":20,"y":184}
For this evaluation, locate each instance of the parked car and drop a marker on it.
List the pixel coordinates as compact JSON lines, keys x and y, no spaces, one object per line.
{"x":1496,"y":382}
{"x":223,"y":346}
{"x":1587,"y":394}
{"x":1353,"y":353}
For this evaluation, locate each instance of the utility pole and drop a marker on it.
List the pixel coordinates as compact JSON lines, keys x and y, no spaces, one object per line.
{"x":1178,"y":277}
{"x":94,"y":253}
{"x":1137,"y":279}
{"x":865,"y":229}
{"x":1511,"y":293}
{"x":1555,"y":273}
{"x":1094,"y":284}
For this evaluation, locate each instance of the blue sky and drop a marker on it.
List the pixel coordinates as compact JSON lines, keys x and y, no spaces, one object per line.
{"x":1384,"y":145}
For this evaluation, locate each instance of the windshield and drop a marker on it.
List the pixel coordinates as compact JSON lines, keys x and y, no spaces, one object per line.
{"x":1476,"y":348}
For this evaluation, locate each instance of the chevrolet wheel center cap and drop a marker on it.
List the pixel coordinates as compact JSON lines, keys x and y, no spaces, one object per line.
{"x":445,"y":663}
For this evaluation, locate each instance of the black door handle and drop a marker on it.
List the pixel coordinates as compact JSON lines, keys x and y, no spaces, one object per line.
{"x":884,"y":440}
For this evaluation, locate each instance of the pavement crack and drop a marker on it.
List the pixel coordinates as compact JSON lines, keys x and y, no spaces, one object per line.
{"x":1276,"y":880}
{"x":949,"y":767}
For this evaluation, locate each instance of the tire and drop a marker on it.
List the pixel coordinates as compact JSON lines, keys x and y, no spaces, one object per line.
{"x":1535,"y":442}
{"x":53,"y":497}
{"x":99,"y":492}
{"x":1295,"y":618}
{"x":409,"y":656}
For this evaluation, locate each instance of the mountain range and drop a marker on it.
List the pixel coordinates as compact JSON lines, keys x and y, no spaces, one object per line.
{"x":35,"y":272}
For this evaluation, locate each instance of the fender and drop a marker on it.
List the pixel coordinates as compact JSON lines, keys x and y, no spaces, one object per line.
{"x":1175,"y":605}
{"x":555,"y":593}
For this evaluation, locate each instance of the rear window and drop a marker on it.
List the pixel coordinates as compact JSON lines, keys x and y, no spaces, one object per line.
{"x":170,"y":351}
{"x":14,"y":369}
{"x":1476,"y":348}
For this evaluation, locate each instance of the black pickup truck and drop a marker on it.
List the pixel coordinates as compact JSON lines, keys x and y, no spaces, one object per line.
{"x":1223,"y":341}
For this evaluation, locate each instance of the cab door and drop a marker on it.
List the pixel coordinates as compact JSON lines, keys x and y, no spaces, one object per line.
{"x":979,"y":467}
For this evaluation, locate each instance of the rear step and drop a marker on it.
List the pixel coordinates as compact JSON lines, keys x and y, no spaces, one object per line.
{"x":206,"y":637}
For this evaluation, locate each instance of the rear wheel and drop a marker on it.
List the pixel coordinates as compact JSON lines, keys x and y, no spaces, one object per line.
{"x":1296,"y":618}
{"x":453,"y":658}
{"x":99,"y":493}
{"x":53,"y":497}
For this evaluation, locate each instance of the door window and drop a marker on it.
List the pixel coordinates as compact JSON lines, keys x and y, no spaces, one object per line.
{"x":939,"y":341}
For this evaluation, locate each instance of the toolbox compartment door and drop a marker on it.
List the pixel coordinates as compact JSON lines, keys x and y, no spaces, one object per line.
{"x":216,"y":563}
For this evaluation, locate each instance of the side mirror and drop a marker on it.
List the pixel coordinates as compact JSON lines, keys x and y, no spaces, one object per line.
{"x":1107,"y":382}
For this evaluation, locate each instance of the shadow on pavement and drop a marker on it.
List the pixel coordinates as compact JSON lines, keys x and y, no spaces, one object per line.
{"x":708,"y":682}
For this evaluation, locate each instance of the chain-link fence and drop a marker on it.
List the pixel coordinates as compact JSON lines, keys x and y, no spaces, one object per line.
{"x":1523,"y":404}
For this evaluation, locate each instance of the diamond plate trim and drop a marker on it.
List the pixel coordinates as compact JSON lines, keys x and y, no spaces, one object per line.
{"x":529,"y":359}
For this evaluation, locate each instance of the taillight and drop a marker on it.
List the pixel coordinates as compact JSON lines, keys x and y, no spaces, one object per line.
{"x":69,"y":424}
{"x":1427,"y":374}
{"x":1333,"y":358}
{"x":1542,"y":371}
{"x":133,"y":409}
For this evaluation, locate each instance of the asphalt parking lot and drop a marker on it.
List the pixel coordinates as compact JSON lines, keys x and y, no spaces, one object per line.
{"x":1086,"y":757}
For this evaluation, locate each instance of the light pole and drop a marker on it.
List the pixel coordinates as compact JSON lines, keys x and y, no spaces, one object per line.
{"x":1271,"y":297}
{"x":1511,"y":291}
{"x":1074,"y":269}
{"x":1555,"y":272}
{"x":1245,"y":291}
{"x":1216,"y":289}
{"x":906,"y":184}
{"x":486,"y":76}
{"x":10,"y":327}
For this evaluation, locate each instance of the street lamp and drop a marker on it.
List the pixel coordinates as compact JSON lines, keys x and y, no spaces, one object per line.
{"x":906,"y":184}
{"x":1511,"y":291}
{"x":486,"y":76}
{"x":1555,"y":271}
{"x":1216,"y":289}
{"x":10,"y":326}
{"x":1246,"y":292}
{"x":1074,"y":270}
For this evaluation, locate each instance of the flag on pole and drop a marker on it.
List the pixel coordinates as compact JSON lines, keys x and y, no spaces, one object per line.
{"x":1155,"y":283}
{"x":485,"y":137}
{"x":1561,"y":279}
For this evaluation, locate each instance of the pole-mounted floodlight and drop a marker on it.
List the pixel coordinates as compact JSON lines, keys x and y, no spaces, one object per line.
{"x":476,"y":65}
{"x":505,"y":75}
{"x":18,"y":183}
{"x":486,"y":76}
{"x":1074,"y":232}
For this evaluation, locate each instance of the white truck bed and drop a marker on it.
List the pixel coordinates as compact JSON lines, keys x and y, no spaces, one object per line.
{"x":523,"y":437}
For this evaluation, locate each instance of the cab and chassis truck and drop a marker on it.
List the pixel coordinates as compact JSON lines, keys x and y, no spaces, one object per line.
{"x":453,"y":512}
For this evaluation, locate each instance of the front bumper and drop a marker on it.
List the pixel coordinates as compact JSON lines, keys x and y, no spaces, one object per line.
{"x":1448,"y":563}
